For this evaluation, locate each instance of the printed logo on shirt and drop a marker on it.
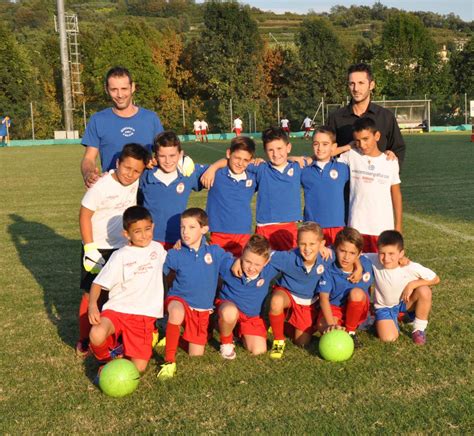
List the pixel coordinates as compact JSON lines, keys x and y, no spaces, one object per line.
{"x":180,"y":188}
{"x":320,"y":269}
{"x":371,"y":167}
{"x":333,"y":174}
{"x":291,"y":171}
{"x":153,"y":255}
{"x":129,"y":264}
{"x":260,"y":283}
{"x":208,"y":258}
{"x":127,"y":131}
{"x":322,"y":282}
{"x":366,"y":277}
{"x":248,"y":183}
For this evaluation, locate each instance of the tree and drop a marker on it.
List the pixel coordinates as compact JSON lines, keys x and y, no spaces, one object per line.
{"x":462,"y":67}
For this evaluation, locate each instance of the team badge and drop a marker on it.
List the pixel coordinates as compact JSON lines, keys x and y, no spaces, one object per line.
{"x":320,"y":269}
{"x":260,"y":282}
{"x":291,"y":171}
{"x":208,"y":258}
{"x":180,"y":188}
{"x":371,"y":167}
{"x":333,"y":174}
{"x":153,"y":255}
{"x":366,"y":277}
{"x":127,"y":131}
{"x":248,"y":183}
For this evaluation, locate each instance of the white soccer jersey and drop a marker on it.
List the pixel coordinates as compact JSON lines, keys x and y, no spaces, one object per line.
{"x":307,"y":122}
{"x":284,"y":122}
{"x":390,"y":283}
{"x":204,"y":125}
{"x":370,"y":203}
{"x":108,"y":199}
{"x":134,"y":278}
{"x":197,"y":125}
{"x":237,"y":123}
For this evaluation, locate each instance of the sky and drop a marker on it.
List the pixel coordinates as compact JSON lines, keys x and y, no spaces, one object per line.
{"x":463,"y":8}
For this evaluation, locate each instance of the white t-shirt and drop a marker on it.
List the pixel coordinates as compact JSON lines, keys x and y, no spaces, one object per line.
{"x":370,"y":202}
{"x":284,"y":122}
{"x":390,"y":283}
{"x":237,"y":123}
{"x":307,"y":122}
{"x":197,"y":125}
{"x":204,"y":125}
{"x":108,"y":199}
{"x":166,"y":178}
{"x":134,"y":278}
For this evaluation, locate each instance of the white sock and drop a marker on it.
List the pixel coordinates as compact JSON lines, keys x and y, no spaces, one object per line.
{"x":420,"y":324}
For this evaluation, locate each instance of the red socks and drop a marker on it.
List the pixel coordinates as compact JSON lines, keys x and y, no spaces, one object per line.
{"x":354,"y":312}
{"x":227,"y":339}
{"x":278,"y":323}
{"x":172,"y":340}
{"x":102,"y":351}
{"x":84,"y":325}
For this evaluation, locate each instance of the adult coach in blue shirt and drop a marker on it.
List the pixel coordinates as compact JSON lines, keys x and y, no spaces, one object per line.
{"x":110,"y":129}
{"x":361,"y":83}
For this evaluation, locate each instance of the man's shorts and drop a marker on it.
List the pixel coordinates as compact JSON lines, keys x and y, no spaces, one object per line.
{"x":87,"y":277}
{"x":282,"y":236}
{"x":247,"y":325}
{"x":195,"y":322}
{"x":136,"y":332}
{"x":393,"y":313}
{"x":370,"y":244}
{"x":330,"y":234}
{"x":340,"y":313}
{"x":237,"y":131}
{"x":231,"y":242}
{"x":299,"y":316}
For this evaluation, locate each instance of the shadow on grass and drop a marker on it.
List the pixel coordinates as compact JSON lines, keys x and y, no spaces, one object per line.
{"x":51,"y":259}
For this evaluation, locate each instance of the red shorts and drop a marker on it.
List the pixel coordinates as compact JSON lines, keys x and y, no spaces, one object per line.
{"x":136,"y":331}
{"x":340,"y":313}
{"x":195,"y":322}
{"x":286,"y":129}
{"x":370,"y":244}
{"x":197,"y":132}
{"x":299,"y":316}
{"x":204,"y":132}
{"x":166,"y":245}
{"x":281,"y":236}
{"x":307,"y":129}
{"x":247,"y":325}
{"x":237,"y":131}
{"x":231,"y":242}
{"x":330,"y":234}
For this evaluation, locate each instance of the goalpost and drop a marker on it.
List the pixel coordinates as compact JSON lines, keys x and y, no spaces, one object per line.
{"x":411,"y":115}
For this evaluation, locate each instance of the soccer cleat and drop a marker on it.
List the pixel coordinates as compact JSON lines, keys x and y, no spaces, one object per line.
{"x":228,"y":351}
{"x":355,"y":338}
{"x":117,"y":352}
{"x":82,"y":348}
{"x":419,"y":337}
{"x":167,"y":371}
{"x":155,"y":338}
{"x":277,"y":349}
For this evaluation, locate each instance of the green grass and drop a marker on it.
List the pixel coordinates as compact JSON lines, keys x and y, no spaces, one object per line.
{"x":394,"y":388}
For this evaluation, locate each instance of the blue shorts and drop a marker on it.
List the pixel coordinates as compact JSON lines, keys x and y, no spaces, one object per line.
{"x":392,"y":313}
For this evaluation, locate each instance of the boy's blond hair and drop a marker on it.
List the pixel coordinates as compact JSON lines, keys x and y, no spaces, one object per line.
{"x":310,"y":226}
{"x":259,"y":245}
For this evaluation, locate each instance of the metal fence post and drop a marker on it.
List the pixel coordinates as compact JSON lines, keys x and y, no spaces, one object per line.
{"x":231,"y":116}
{"x":32,"y":122}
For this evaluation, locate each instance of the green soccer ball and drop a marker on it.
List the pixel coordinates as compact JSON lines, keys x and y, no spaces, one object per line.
{"x":336,"y":346}
{"x":118,"y":378}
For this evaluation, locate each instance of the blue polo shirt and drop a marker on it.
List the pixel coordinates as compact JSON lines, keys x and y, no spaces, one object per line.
{"x":229,"y":203}
{"x":167,"y":203}
{"x":324,"y":193}
{"x":334,"y":282}
{"x":279,"y":194}
{"x":295,"y":277}
{"x":109,"y":133}
{"x":248,"y":295}
{"x":197,"y":273}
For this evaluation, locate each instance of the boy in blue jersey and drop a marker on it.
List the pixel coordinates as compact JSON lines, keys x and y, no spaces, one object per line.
{"x":165,"y":190}
{"x":344,"y":303}
{"x":191,"y":297}
{"x":241,"y":300}
{"x":229,"y":199}
{"x":323,"y":184}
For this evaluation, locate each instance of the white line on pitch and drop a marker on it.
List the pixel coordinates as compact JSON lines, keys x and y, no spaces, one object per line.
{"x":439,"y":227}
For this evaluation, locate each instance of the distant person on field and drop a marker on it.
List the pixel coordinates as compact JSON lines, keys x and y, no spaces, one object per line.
{"x":197,"y":129}
{"x":204,"y":130}
{"x":400,"y":290}
{"x":237,"y":126}
{"x":361,"y":83}
{"x":4,"y":130}
{"x":110,"y":129}
{"x":133,"y":279}
{"x":100,"y":220}
{"x":285,"y":125}
{"x":308,"y":124}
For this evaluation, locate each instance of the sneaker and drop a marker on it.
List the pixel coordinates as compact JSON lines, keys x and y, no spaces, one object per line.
{"x":228,"y":351}
{"x":419,"y":337}
{"x":355,"y":338}
{"x":82,"y":348}
{"x":155,"y":338}
{"x":277,"y":349}
{"x":168,"y":370}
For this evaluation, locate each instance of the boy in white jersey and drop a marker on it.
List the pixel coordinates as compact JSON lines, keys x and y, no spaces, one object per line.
{"x":204,"y":129}
{"x":375,"y":202}
{"x":400,"y":289}
{"x":100,"y":220}
{"x":134,"y":279}
{"x":197,"y":129}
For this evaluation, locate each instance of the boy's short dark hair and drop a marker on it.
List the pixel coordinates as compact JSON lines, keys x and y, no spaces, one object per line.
{"x":349,"y":234}
{"x":135,"y":151}
{"x":117,"y":72}
{"x":361,"y":68}
{"x":310,"y":226}
{"x":134,"y":214}
{"x":274,"y":133}
{"x":243,"y":143}
{"x":259,"y":245}
{"x":166,"y":139}
{"x":390,"y":237}
{"x":327,"y":130}
{"x":199,"y":214}
{"x":364,"y":123}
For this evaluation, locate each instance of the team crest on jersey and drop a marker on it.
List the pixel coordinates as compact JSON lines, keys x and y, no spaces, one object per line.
{"x":248,"y":183}
{"x":127,"y":131}
{"x":180,"y":188}
{"x":366,"y":277}
{"x":208,"y":258}
{"x":320,"y":269}
{"x":333,"y":174}
{"x":291,"y":171}
{"x":153,"y":255}
{"x":371,"y":167}
{"x":260,"y":283}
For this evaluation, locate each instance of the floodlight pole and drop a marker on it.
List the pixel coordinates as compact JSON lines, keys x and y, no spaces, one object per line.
{"x":66,"y":75}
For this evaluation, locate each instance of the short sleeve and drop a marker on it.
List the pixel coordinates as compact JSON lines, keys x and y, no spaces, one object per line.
{"x":112,"y":273}
{"x":92,"y":198}
{"x":344,"y":158}
{"x":421,"y":271}
{"x":91,"y":136}
{"x":171,"y":262}
{"x":226,"y":265}
{"x":199,"y":170}
{"x":395,"y":173}
{"x":325,"y":283}
{"x":279,"y":260}
{"x":157,"y":126}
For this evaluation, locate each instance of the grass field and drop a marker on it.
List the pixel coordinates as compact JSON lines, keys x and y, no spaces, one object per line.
{"x":393,"y":388}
